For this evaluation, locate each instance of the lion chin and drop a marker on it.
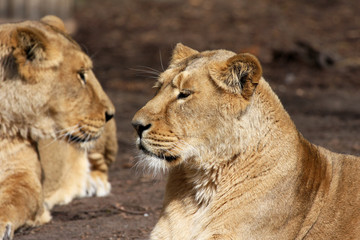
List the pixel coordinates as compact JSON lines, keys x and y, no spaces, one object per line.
{"x":57,"y":135}
{"x":237,"y":166}
{"x":151,"y":163}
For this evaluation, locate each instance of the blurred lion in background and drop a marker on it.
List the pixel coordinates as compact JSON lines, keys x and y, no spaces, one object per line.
{"x":57,"y":132}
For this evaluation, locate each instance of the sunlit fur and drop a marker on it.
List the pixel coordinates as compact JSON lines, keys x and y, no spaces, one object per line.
{"x":48,"y":93}
{"x":71,"y":172}
{"x":156,"y":166}
{"x":237,"y":166}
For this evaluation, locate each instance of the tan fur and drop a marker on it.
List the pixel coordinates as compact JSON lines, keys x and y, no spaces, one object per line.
{"x":70,"y":172}
{"x":48,"y":91}
{"x":238,"y":167}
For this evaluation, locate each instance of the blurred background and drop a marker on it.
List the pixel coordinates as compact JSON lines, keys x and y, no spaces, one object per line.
{"x":35,"y":9}
{"x":309,"y":49}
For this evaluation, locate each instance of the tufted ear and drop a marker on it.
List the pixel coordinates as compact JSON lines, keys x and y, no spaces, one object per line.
{"x":181,"y":52}
{"x":32,"y":51}
{"x":239,"y":74}
{"x":54,"y":22}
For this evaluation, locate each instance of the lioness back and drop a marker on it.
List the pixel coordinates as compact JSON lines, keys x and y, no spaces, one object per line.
{"x":238,"y":167}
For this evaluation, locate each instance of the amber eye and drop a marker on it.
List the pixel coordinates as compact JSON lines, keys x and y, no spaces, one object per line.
{"x":82,"y":76}
{"x":184,"y":94}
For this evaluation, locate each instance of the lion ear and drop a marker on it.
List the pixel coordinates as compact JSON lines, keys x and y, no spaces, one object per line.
{"x":32,"y":51}
{"x":239,"y":74}
{"x":181,"y":52}
{"x":54,"y":22}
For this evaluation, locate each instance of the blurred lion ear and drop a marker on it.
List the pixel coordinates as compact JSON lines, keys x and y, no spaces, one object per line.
{"x":54,"y":22}
{"x":181,"y":52}
{"x":32,"y":51}
{"x":239,"y":74}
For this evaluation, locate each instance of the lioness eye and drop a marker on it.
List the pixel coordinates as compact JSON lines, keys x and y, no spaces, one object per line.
{"x":183,"y":95}
{"x":82,"y":76}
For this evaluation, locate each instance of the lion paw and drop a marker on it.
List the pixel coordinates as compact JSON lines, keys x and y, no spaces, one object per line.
{"x":97,"y":184}
{"x":6,"y":231}
{"x":42,"y":218}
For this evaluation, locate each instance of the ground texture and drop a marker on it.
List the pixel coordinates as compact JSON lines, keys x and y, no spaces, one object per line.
{"x":310,"y":55}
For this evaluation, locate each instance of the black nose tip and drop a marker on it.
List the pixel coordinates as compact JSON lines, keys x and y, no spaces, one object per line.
{"x":140,"y":128}
{"x":108,"y":116}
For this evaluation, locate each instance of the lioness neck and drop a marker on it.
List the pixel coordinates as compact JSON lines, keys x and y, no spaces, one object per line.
{"x":22,"y":119}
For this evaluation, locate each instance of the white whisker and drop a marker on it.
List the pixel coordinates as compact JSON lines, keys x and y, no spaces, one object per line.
{"x":161,"y":62}
{"x":147,"y":70}
{"x":61,"y":135}
{"x":157,"y":165}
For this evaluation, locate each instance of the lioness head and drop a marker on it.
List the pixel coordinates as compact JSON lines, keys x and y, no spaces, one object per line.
{"x":47,"y":86}
{"x":200,"y":97}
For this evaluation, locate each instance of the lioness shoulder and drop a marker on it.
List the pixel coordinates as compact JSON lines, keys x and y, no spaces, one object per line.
{"x":238,"y":167}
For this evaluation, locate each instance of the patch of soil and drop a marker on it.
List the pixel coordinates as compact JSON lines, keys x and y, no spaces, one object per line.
{"x":131,"y":40}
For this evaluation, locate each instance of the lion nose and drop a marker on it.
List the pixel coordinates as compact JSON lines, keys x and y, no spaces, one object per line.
{"x":108,"y":116}
{"x":140,"y":128}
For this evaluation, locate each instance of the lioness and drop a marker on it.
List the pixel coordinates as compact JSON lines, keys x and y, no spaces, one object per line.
{"x":47,"y":90}
{"x":238,"y":167}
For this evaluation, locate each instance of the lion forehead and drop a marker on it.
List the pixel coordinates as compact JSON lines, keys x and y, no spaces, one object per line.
{"x":78,"y":59}
{"x":192,"y":66}
{"x":207,"y":58}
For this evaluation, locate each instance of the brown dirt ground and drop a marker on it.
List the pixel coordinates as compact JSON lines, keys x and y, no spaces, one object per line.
{"x":122,"y":36}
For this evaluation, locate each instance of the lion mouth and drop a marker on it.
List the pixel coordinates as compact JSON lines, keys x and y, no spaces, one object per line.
{"x":160,"y":156}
